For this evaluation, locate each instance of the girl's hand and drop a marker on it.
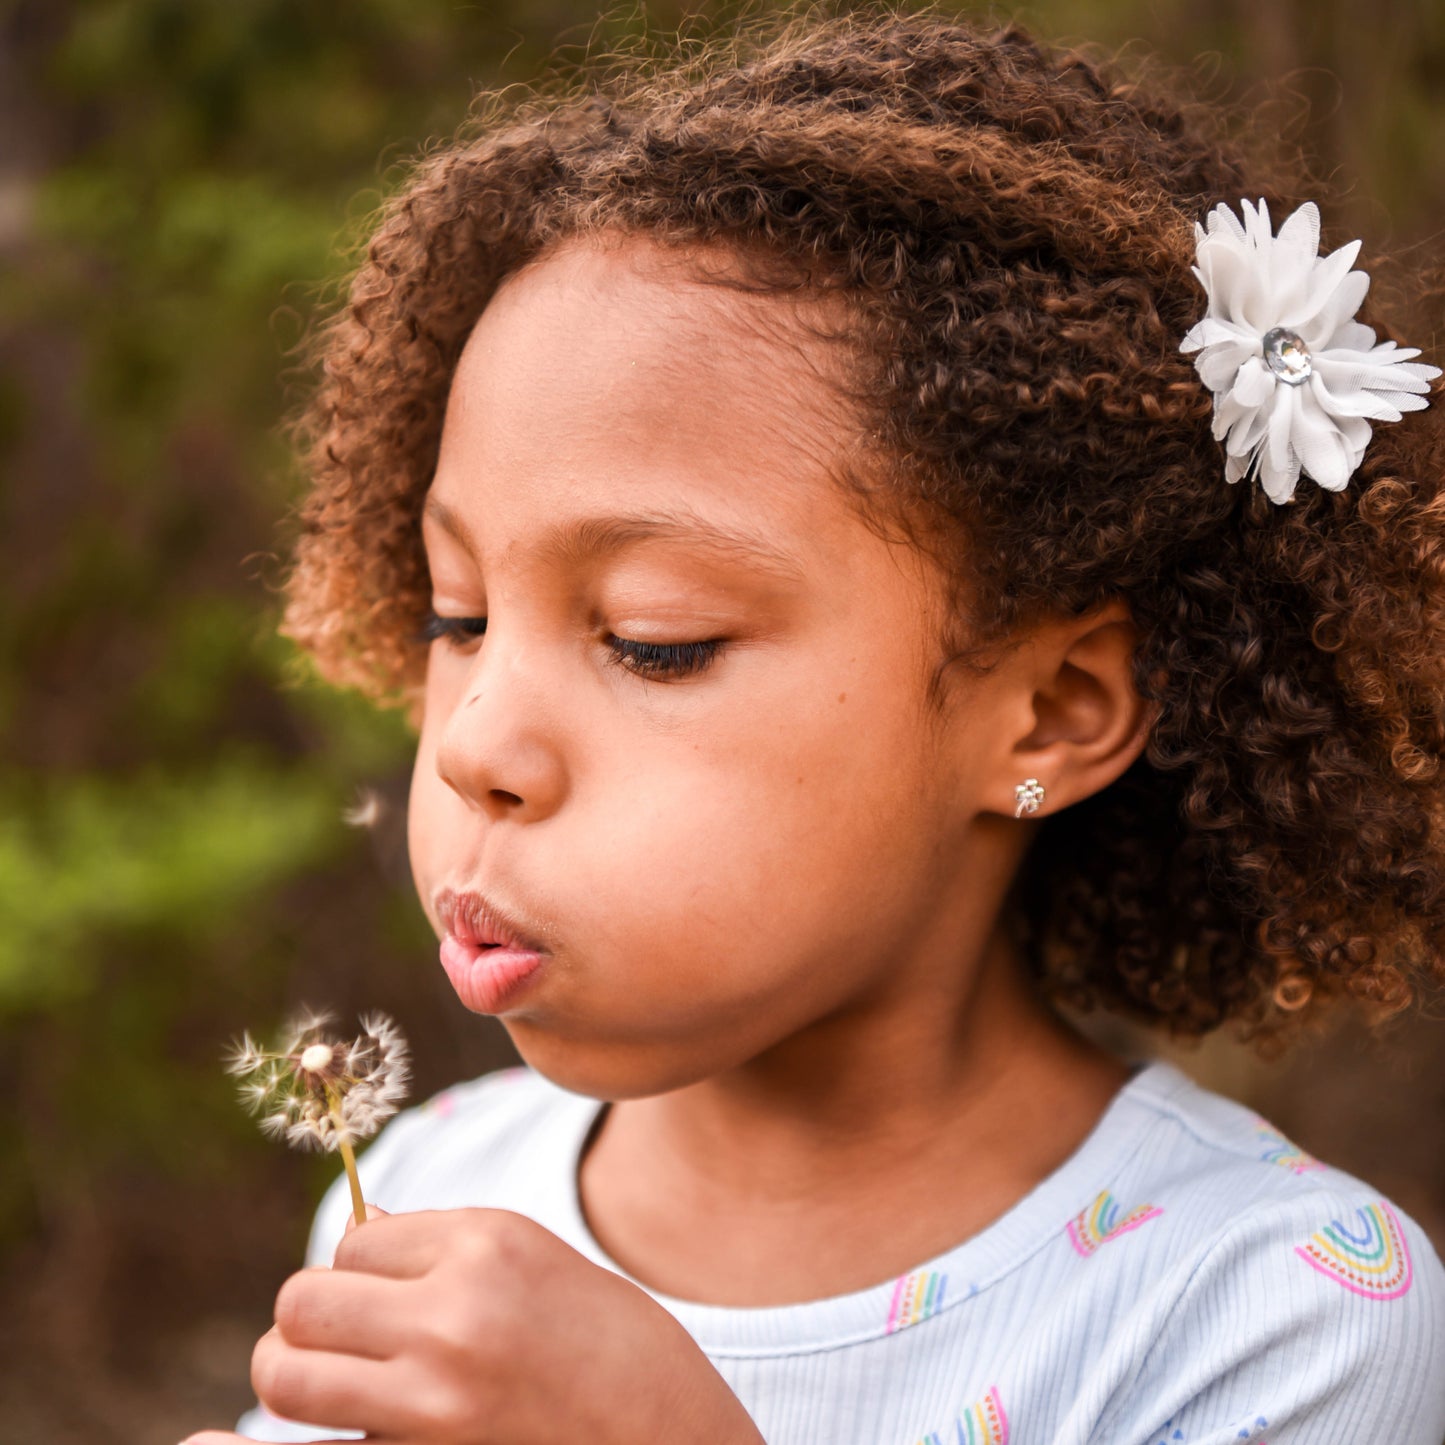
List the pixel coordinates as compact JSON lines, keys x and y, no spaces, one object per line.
{"x":479,"y":1327}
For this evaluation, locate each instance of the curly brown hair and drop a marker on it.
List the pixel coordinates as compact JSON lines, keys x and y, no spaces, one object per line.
{"x":1011,"y":229}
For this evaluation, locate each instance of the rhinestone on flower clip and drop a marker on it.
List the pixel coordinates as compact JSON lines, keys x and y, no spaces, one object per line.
{"x":1296,"y":380}
{"x":1287,"y":356}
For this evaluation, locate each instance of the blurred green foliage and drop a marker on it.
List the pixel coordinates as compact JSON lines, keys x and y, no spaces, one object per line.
{"x":182,"y":183}
{"x":182,"y":187}
{"x":154,"y":855}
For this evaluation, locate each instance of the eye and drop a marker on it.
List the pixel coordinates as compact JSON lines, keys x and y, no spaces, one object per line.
{"x":456,"y":630}
{"x":663,"y":659}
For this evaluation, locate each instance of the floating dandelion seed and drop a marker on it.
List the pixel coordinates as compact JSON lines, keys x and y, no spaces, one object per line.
{"x":317,"y":1092}
{"x":366,"y":811}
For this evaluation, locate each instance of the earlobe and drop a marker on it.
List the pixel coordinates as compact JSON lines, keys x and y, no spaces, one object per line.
{"x":1085,"y":721}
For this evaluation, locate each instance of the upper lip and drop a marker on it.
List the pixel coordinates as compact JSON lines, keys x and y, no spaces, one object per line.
{"x":473,"y":918}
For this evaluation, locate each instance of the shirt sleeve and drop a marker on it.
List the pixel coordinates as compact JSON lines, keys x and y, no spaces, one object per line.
{"x":1318,"y":1321}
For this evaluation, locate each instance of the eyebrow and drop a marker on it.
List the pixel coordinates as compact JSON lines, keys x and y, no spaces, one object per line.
{"x":584,"y":539}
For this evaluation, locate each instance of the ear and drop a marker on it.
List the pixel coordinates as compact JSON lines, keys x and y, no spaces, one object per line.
{"x":1074,"y":718}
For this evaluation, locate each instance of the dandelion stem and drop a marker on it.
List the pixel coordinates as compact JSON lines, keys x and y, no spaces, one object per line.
{"x":348,"y":1158}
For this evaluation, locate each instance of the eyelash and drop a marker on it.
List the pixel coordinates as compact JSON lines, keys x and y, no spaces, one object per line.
{"x":646,"y":659}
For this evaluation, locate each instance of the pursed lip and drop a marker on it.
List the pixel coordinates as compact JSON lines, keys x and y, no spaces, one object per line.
{"x":474,"y":919}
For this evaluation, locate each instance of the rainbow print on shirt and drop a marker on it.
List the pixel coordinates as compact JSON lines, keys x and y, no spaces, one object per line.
{"x":1372,"y":1259}
{"x":1247,"y":1432}
{"x":915,"y":1297}
{"x":1100,"y":1222}
{"x":983,"y":1424}
{"x":1279,"y":1150}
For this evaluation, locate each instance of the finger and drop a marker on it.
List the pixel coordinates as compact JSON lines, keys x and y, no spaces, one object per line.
{"x":372,"y":1212}
{"x":400,"y":1246}
{"x":344,"y":1312}
{"x":332,"y":1390}
{"x":225,"y":1437}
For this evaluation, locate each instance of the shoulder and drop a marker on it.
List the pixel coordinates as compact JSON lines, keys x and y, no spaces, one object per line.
{"x":1247,"y":1199}
{"x":486,"y":1142}
{"x":1222,"y":1164}
{"x":1289,"y":1291}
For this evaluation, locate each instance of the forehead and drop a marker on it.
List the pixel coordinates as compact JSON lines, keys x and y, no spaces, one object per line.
{"x":610,"y":373}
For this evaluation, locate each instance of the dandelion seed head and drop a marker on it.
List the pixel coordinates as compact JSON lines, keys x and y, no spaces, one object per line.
{"x":305,"y":1029}
{"x":317,"y":1092}
{"x":244,"y":1057}
{"x":274,"y":1126}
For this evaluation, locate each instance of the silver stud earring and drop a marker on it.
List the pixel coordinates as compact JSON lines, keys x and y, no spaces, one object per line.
{"x":1030,"y":793}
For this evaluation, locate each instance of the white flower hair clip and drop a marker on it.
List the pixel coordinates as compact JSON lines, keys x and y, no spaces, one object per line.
{"x":1296,"y":379}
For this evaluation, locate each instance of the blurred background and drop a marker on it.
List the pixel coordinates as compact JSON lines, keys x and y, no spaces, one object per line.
{"x":181,"y":182}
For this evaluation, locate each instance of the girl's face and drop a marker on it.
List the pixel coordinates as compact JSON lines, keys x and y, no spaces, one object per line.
{"x":691,"y":757}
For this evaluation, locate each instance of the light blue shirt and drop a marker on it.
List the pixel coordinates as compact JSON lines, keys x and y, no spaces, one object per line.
{"x":1186,"y":1277}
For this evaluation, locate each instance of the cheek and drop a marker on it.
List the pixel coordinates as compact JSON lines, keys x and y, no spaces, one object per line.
{"x":769,"y":841}
{"x":429,"y":806}
{"x":713,"y":850}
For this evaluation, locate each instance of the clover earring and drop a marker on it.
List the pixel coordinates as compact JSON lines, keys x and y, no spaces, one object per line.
{"x":1029,"y":794}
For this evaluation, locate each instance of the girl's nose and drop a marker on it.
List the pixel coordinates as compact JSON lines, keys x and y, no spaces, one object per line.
{"x":495,"y":749}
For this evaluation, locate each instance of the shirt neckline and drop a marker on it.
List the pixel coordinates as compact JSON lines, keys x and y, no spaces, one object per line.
{"x":937,"y":1284}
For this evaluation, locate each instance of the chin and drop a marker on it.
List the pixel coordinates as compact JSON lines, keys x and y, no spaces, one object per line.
{"x":613,"y":1072}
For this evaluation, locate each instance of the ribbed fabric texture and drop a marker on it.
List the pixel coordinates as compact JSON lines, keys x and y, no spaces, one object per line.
{"x":1186,"y":1277}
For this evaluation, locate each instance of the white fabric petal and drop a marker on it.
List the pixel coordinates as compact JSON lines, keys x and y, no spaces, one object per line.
{"x":1292,"y":261}
{"x":1298,"y":242}
{"x":1397,"y":386}
{"x":1417,"y":371}
{"x":1255,"y":382}
{"x":1409,"y":403}
{"x":1247,"y":436}
{"x":1212,"y":281}
{"x":1306,"y":316}
{"x":1393,"y":351}
{"x":1352,"y":336}
{"x":1221,"y":218}
{"x":1278,"y":482}
{"x":1256,"y":224}
{"x":1218,"y":365}
{"x":1332,"y":390}
{"x":1229,"y":412}
{"x":1281,"y":423}
{"x":1254,"y":298}
{"x":1231,"y":420}
{"x":1356,"y":432}
{"x":1214,"y":331}
{"x":1319,"y":446}
{"x":1388,"y":373}
{"x":1336,"y":308}
{"x":1236,"y":289}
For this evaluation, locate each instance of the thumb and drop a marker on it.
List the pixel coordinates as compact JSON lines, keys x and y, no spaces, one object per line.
{"x":372,"y":1212}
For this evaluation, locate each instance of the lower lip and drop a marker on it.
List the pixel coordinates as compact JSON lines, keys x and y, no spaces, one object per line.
{"x":487,"y":980}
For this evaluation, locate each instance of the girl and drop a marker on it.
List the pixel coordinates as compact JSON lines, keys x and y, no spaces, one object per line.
{"x":788,"y":490}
